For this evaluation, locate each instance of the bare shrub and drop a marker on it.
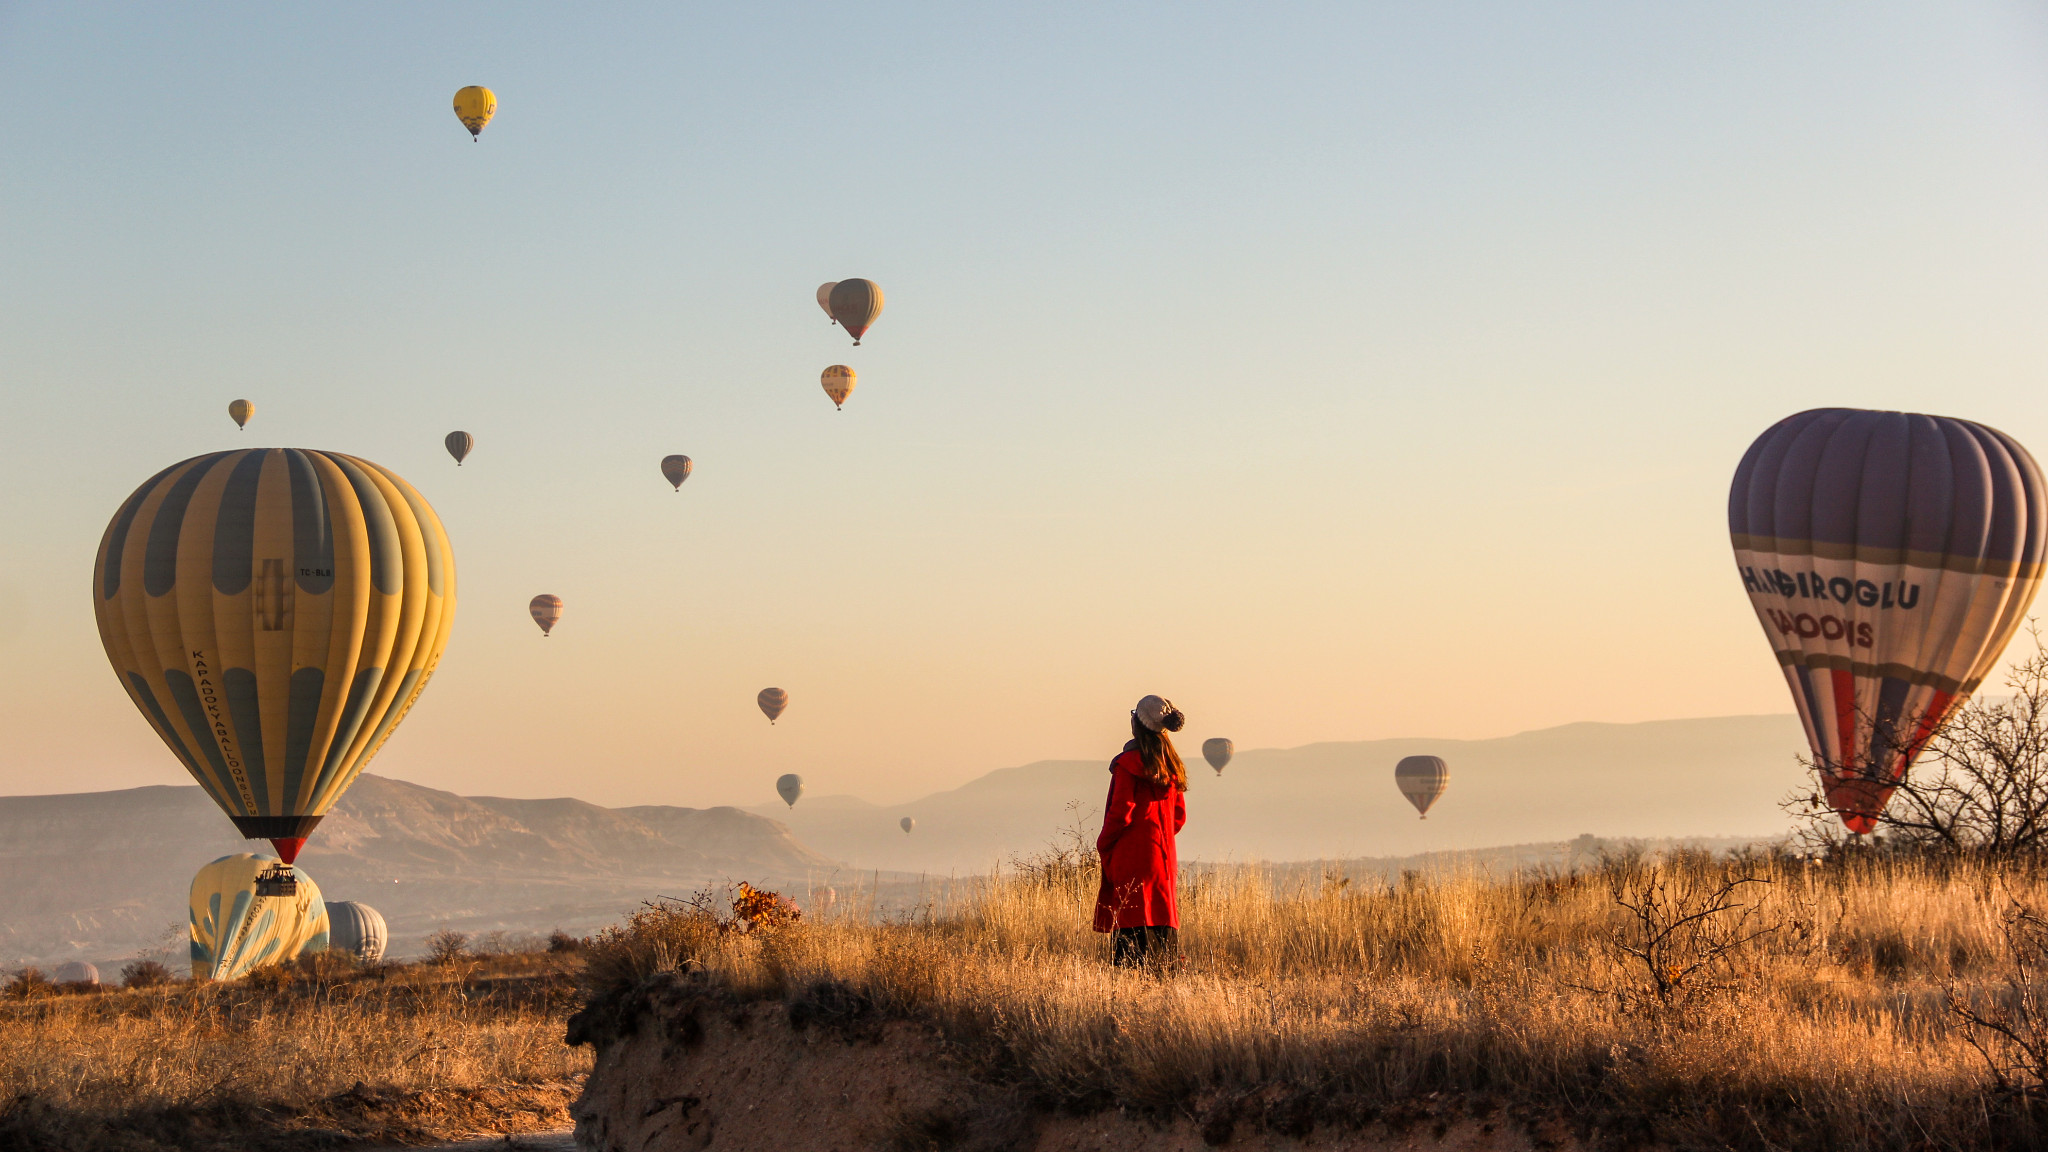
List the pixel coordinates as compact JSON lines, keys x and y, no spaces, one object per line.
{"x":1682,"y":926}
{"x":1068,"y":862}
{"x":2009,"y":1027}
{"x":144,"y":973}
{"x":447,"y":946}
{"x":28,"y":984}
{"x":561,"y":943}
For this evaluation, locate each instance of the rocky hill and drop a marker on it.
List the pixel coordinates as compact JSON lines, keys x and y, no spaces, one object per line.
{"x":103,"y":875}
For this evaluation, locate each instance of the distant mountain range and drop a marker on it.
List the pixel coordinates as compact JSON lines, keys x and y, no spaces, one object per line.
{"x":102,"y":875}
{"x":1716,"y":777}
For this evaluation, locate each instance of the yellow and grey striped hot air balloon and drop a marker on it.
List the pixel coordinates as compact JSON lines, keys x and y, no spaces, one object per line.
{"x":855,"y":304}
{"x":239,"y":411}
{"x":825,"y":298}
{"x":474,"y":106}
{"x":676,"y":469}
{"x":772,"y":701}
{"x":274,"y":613}
{"x":1422,"y":779}
{"x":838,"y":381}
{"x":547,"y":612}
{"x":235,"y":931}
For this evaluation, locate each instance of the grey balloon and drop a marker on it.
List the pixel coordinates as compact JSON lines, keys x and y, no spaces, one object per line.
{"x":459,"y":444}
{"x":1217,"y":752}
{"x":357,"y":929}
{"x":676,"y":469}
{"x":789,"y":787}
{"x":1422,"y":779}
{"x":906,"y":824}
{"x":76,"y":972}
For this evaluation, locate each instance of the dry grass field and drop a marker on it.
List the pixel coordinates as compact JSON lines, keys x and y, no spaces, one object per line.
{"x":1815,"y":1005}
{"x":321,"y":1056}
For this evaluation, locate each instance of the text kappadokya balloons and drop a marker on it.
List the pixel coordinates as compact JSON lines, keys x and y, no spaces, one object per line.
{"x":1890,"y":557}
{"x":838,"y":381}
{"x":855,"y":304}
{"x":546,"y":610}
{"x":789,"y":787}
{"x":906,"y":824}
{"x":772,"y":702}
{"x":825,"y":296}
{"x":459,"y":446}
{"x":1422,"y":779}
{"x":474,"y":106}
{"x":357,"y":929}
{"x":239,"y":411}
{"x":676,"y":469}
{"x":274,"y":614}
{"x":1217,"y":751}
{"x":234,"y":931}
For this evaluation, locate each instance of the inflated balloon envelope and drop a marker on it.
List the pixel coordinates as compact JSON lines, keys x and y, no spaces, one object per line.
{"x":1890,"y":558}
{"x":274,"y":614}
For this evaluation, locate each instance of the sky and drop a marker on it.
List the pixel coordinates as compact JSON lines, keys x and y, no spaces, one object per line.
{"x":1340,"y":371}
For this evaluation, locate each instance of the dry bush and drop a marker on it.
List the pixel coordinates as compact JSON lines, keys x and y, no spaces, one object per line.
{"x":144,"y":974}
{"x":395,"y":1052}
{"x":447,"y":946}
{"x":1352,"y":998}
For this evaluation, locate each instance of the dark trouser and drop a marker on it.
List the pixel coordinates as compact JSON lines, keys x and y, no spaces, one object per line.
{"x":1137,"y":947}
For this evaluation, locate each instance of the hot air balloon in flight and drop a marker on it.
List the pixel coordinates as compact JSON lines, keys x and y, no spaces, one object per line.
{"x":1422,"y":779}
{"x":356,"y":929}
{"x":838,"y":381}
{"x":474,"y":106}
{"x":547,"y":612}
{"x":789,"y":786}
{"x":823,"y":899}
{"x":825,"y":296}
{"x":855,"y":304}
{"x":772,"y":702}
{"x":676,"y":469}
{"x":906,"y":824}
{"x":239,"y":411}
{"x":1217,"y":752}
{"x":1890,"y":557}
{"x":459,"y":444}
{"x":236,"y":929}
{"x":274,"y":614}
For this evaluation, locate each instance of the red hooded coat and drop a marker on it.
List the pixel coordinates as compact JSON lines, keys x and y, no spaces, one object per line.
{"x":1139,"y":822}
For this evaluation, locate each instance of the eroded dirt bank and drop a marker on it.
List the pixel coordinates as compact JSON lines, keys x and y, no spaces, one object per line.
{"x":682,"y":1067}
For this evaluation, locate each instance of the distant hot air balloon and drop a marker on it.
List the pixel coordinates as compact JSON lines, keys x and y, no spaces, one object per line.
{"x":76,"y":972}
{"x":356,"y":929}
{"x":855,"y":304}
{"x":1890,"y":557}
{"x":789,"y":786}
{"x":459,"y":444}
{"x":906,"y":824}
{"x":838,"y":381}
{"x":823,"y":899}
{"x":474,"y":106}
{"x":676,"y":469}
{"x":236,"y":930}
{"x":772,"y":702}
{"x":1217,"y":752}
{"x":1422,"y":779}
{"x":274,"y":613}
{"x":547,"y":611}
{"x":825,"y":296}
{"x":240,"y":411}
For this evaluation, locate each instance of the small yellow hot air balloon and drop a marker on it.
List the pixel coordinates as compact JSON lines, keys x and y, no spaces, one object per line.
{"x":838,"y":381}
{"x":240,"y":411}
{"x":547,"y":612}
{"x":236,"y":928}
{"x":474,"y":106}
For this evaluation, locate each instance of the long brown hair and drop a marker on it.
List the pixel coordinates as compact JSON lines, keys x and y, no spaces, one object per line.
{"x":1162,"y":763}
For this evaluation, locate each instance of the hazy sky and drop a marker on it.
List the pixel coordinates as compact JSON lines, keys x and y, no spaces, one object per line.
{"x":1340,"y":371}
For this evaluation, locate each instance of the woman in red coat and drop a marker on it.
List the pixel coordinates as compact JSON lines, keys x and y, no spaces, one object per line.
{"x":1146,"y":807}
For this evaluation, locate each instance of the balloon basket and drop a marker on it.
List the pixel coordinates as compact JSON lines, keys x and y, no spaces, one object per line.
{"x":277,"y":880}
